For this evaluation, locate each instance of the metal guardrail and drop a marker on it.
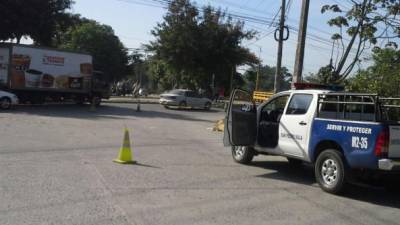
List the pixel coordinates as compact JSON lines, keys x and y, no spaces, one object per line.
{"x":261,"y":96}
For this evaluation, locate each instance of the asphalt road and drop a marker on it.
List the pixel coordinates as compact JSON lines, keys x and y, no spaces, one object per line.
{"x":56,"y":168}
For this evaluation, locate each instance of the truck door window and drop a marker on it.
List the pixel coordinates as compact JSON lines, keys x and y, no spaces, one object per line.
{"x":277,"y":104}
{"x":268,"y":127}
{"x":274,"y":109}
{"x":243,"y":101}
{"x":299,"y":104}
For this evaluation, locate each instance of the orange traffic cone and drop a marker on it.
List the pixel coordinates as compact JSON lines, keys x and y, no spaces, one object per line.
{"x":125,"y":155}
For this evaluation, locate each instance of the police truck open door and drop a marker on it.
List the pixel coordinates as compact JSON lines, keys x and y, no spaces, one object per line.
{"x":241,"y":120}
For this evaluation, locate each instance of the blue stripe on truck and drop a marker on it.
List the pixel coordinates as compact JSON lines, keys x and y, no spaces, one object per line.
{"x":356,"y":139}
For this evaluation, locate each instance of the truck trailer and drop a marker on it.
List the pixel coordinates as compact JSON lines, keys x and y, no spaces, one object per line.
{"x":37,"y":74}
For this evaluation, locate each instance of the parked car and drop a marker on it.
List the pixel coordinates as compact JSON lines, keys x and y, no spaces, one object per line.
{"x":143,"y":92}
{"x":7,"y":99}
{"x":184,"y":98}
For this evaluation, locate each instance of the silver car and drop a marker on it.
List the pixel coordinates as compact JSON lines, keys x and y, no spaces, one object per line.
{"x":184,"y":98}
{"x":7,"y":99}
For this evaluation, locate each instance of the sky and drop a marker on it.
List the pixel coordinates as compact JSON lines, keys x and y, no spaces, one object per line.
{"x":133,"y":20}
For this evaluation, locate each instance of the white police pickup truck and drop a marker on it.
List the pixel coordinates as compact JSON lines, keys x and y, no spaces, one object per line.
{"x":338,"y":132}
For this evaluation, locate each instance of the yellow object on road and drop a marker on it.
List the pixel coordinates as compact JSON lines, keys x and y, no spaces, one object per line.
{"x":219,"y":126}
{"x":261,"y":96}
{"x":125,"y":155}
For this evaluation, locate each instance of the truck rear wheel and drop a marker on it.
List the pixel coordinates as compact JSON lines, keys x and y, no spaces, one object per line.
{"x":330,"y":171}
{"x":242,"y":154}
{"x":79,"y":101}
{"x":96,"y":100}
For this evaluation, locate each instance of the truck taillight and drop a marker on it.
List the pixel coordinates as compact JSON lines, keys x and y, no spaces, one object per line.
{"x":382,"y":143}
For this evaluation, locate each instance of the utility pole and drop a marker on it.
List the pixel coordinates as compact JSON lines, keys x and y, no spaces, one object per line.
{"x":258,"y":71}
{"x":232,"y":72}
{"x":280,"y":47}
{"x":301,"y":43}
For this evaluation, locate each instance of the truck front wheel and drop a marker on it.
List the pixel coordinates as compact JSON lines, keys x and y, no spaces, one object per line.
{"x":242,"y":154}
{"x":330,"y":171}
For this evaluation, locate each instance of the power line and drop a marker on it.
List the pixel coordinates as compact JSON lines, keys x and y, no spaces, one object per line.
{"x":260,"y":3}
{"x":253,"y":10}
{"x":252,"y":19}
{"x":237,"y":15}
{"x":259,"y":39}
{"x":247,"y":18}
{"x":288,"y":7}
{"x":141,"y":3}
{"x":291,"y":21}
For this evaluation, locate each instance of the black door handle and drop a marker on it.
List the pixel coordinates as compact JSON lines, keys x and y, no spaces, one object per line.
{"x":302,"y":123}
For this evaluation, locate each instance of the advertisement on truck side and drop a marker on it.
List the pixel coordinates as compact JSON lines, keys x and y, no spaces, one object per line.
{"x":42,"y":68}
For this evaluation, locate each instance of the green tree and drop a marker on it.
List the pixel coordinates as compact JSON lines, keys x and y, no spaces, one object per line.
{"x":138,"y":68}
{"x":66,"y":22}
{"x":109,"y":54}
{"x":197,"y":46}
{"x":37,"y":19}
{"x":266,"y":78}
{"x":324,"y":75}
{"x":365,"y":23}
{"x":383,"y":77}
{"x":160,"y":74}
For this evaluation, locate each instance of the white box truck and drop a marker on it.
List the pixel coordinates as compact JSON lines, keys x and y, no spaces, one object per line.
{"x":38,"y":74}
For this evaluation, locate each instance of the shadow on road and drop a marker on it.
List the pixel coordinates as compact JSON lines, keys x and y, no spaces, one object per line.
{"x":304,"y":174}
{"x":107,"y":111}
{"x":284,"y":171}
{"x":193,"y":110}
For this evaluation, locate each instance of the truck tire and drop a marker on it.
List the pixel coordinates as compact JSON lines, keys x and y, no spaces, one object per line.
{"x":79,"y":101}
{"x":331,"y":171}
{"x":242,"y":154}
{"x":97,"y":100}
{"x":5,"y":103}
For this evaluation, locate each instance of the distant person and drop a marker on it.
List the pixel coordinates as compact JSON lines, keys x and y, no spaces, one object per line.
{"x":201,"y":91}
{"x":215,"y":94}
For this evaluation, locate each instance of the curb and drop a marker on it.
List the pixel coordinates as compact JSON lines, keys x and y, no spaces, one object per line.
{"x":219,"y":105}
{"x":129,"y":102}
